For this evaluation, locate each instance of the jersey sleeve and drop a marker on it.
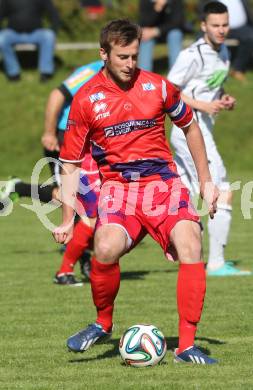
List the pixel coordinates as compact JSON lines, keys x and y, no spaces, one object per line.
{"x":75,"y":138}
{"x":80,"y":76}
{"x":66,"y":93}
{"x":73,"y":82}
{"x":179,"y":112}
{"x":185,"y":68}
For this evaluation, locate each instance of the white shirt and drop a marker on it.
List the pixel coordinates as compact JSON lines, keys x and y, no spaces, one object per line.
{"x":200,"y":72}
{"x":237,"y":13}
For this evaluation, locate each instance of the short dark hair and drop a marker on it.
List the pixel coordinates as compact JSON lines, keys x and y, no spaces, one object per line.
{"x":213,"y":7}
{"x":120,"y":32}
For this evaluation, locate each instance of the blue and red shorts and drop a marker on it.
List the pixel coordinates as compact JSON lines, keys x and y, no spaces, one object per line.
{"x":88,"y":194}
{"x":152,"y":207}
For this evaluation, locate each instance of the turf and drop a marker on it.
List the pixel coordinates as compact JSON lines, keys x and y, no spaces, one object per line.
{"x":37,"y":316}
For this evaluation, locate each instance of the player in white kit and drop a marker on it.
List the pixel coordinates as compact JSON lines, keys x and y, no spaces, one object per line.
{"x":200,"y":72}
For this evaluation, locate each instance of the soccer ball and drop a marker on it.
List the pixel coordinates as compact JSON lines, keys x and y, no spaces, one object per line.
{"x":142,"y":345}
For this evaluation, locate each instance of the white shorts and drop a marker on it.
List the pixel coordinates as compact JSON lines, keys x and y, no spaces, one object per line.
{"x":185,"y":165}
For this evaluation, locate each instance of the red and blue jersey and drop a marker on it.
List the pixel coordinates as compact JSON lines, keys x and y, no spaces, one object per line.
{"x":125,"y":129}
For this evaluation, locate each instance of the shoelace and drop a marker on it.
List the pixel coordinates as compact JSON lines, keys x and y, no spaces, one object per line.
{"x":199,"y":352}
{"x":90,"y":330}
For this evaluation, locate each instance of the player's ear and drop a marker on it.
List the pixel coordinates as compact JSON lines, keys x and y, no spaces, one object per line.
{"x":103,"y":54}
{"x":203,"y":26}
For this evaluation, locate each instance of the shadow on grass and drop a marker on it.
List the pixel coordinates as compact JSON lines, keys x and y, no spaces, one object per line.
{"x":211,"y":341}
{"x":166,"y":271}
{"x":31,"y":251}
{"x":135,"y":275}
{"x":128,"y":275}
{"x":114,"y":351}
{"x":172,"y":343}
{"x":140,"y":275}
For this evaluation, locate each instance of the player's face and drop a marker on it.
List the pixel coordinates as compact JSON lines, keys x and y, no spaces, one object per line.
{"x":121,"y":62}
{"x":216,"y":28}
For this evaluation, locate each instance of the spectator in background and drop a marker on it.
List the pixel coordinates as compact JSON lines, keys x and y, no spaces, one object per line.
{"x":160,"y":19}
{"x":24,"y":25}
{"x":93,"y":9}
{"x":241,"y":28}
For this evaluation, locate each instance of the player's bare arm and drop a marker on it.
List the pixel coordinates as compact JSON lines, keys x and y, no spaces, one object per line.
{"x":53,"y":108}
{"x":211,"y":108}
{"x":70,"y":181}
{"x":196,"y":145}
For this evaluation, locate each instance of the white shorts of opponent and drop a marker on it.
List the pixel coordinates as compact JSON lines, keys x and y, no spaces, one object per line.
{"x":185,"y":165}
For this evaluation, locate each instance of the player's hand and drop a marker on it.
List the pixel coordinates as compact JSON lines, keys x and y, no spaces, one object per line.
{"x":228,"y":101}
{"x":149,"y":33}
{"x":63,"y":233}
{"x":214,"y":107}
{"x":210,"y":194}
{"x":50,"y":142}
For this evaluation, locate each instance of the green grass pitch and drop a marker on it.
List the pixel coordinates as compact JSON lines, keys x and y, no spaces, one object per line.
{"x":37,"y":316}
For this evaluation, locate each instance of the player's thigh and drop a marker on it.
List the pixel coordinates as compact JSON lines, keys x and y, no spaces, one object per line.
{"x":176,"y":206}
{"x":118,"y":228}
{"x":186,"y":239}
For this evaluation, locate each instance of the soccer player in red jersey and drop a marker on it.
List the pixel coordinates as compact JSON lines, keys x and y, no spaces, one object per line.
{"x":121,"y":114}
{"x":82,"y":240}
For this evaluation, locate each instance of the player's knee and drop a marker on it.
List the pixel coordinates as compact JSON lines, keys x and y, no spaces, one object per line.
{"x":191,"y":249}
{"x":48,"y":35}
{"x":186,"y":238}
{"x":191,"y":253}
{"x":104,"y":251}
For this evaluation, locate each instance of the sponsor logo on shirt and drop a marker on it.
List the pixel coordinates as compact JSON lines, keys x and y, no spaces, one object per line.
{"x":96,"y":97}
{"x":217,"y":78}
{"x":148,"y":87}
{"x":128,"y":127}
{"x":70,"y":122}
{"x":109,"y":132}
{"x":128,"y":106}
{"x":99,"y":107}
{"x":102,"y":115}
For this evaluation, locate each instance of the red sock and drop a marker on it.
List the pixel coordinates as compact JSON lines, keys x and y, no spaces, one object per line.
{"x":105,"y":281}
{"x":191,"y":288}
{"x":81,"y":240}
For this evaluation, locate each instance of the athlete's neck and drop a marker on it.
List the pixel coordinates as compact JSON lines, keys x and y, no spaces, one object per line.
{"x":214,"y":46}
{"x":122,"y":85}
